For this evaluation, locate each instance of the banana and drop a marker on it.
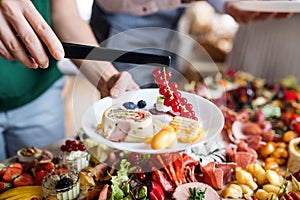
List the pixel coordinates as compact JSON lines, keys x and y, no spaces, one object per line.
{"x":23,"y":193}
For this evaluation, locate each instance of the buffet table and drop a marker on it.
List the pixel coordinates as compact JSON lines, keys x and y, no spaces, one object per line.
{"x":253,"y":155}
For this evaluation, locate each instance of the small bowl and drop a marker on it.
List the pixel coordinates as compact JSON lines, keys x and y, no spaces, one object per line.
{"x":61,"y":184}
{"x":28,"y":154}
{"x":77,"y":159}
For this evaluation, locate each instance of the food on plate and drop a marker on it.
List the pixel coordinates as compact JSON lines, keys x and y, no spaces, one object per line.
{"x":120,"y":124}
{"x":188,"y":130}
{"x":187,"y":190}
{"x":74,"y":153}
{"x":171,"y":95}
{"x":61,"y":184}
{"x":294,"y":155}
{"x":159,"y":105}
{"x":28,"y":154}
{"x":165,"y":138}
{"x":180,"y":129}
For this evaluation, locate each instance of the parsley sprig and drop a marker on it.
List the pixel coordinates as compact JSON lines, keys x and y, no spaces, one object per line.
{"x":197,"y":194}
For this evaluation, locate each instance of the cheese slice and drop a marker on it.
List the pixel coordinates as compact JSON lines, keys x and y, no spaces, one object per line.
{"x":188,"y":130}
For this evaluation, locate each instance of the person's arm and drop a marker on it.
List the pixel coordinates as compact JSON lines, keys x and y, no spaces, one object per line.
{"x":21,"y":18}
{"x":70,"y":27}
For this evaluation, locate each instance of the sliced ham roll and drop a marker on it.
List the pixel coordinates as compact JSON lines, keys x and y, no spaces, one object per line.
{"x":119,"y":124}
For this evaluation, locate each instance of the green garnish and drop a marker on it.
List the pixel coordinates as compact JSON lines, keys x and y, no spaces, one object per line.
{"x":196,"y":194}
{"x":282,"y":187}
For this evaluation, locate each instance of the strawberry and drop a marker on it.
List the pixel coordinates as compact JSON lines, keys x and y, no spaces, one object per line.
{"x":39,"y":177}
{"x":24,"y":179}
{"x":2,"y":169}
{"x":16,"y":165}
{"x":49,"y":167}
{"x":4,"y":186}
{"x":10,"y":173}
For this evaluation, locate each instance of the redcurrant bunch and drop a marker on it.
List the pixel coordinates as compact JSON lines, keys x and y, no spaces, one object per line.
{"x":172,"y":96}
{"x":73,"y":145}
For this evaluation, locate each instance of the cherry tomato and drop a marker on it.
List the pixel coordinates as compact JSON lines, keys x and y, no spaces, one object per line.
{"x":296,"y":127}
{"x":286,"y":117}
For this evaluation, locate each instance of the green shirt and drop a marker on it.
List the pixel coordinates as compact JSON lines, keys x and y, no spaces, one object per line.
{"x":20,"y":85}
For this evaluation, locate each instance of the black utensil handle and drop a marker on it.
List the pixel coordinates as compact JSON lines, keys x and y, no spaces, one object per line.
{"x":77,"y":51}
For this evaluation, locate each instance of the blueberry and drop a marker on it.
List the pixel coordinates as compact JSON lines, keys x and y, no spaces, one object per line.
{"x":129,"y":105}
{"x":141,"y":104}
{"x":64,"y":184}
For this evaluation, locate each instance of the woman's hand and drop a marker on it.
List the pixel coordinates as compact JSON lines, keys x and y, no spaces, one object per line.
{"x":117,"y":85}
{"x":242,"y":16}
{"x":20,"y":17}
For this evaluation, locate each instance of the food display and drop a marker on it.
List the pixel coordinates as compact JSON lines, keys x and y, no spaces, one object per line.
{"x":254,"y":156}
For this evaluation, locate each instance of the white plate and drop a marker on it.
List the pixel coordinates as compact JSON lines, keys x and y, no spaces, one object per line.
{"x":208,"y":113}
{"x":268,"y":6}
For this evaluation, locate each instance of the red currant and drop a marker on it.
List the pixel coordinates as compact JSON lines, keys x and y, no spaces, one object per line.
{"x":172,"y":97}
{"x":163,"y":91}
{"x":173,"y":86}
{"x":157,"y":72}
{"x":168,"y":102}
{"x":168,"y":75}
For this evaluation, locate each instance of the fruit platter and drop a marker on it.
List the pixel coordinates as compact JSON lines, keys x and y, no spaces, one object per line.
{"x":254,"y":155}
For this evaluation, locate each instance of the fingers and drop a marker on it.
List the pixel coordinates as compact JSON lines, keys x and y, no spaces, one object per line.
{"x":44,"y":32}
{"x":242,"y":16}
{"x":283,"y":15}
{"x":264,"y":16}
{"x":21,"y":18}
{"x":11,"y":46}
{"x":124,"y":83}
{"x":5,"y":53}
